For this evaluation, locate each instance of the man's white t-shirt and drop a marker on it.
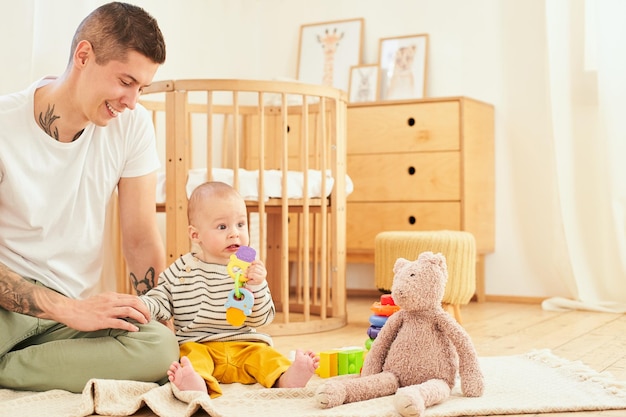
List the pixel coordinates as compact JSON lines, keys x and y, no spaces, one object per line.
{"x":53,"y":195}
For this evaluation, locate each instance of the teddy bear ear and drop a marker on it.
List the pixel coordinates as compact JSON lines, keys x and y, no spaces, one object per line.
{"x":441,"y":260}
{"x":426,"y":254}
{"x":400,"y":262}
{"x":434,"y":258}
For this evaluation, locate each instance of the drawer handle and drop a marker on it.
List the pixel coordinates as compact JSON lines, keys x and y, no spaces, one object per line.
{"x":411,"y":170}
{"x":412,"y":220}
{"x":410,"y":121}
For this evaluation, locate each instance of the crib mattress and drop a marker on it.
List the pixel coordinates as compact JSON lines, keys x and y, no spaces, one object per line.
{"x":249,"y":183}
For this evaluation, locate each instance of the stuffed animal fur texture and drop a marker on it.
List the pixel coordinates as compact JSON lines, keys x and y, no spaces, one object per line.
{"x":419,"y":350}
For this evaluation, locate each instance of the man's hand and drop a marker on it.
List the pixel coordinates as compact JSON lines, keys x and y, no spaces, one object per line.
{"x":103,"y":311}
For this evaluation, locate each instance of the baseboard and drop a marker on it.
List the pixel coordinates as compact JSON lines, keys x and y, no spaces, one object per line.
{"x":514,"y":299}
{"x":375,"y":293}
{"x":363,"y":292}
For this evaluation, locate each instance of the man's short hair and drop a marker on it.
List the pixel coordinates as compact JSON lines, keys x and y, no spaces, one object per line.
{"x":116,"y":28}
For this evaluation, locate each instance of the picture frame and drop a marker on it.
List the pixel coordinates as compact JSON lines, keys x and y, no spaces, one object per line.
{"x":403,"y":66}
{"x":363,"y":86}
{"x":327,"y":50}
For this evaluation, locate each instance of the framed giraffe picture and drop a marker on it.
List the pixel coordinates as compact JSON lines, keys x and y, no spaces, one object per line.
{"x":402,"y":62}
{"x":328,"y":50}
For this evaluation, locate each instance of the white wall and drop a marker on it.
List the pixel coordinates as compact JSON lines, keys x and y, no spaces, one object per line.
{"x":490,"y":50}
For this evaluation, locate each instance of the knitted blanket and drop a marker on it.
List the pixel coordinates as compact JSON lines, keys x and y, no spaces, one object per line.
{"x":536,"y":382}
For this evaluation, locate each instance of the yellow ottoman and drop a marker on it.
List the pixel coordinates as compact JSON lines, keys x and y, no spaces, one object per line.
{"x":458,"y":247}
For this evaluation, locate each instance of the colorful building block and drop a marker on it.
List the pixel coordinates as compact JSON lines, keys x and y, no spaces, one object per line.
{"x":342,"y":361}
{"x":350,"y":361}
{"x":328,"y":364}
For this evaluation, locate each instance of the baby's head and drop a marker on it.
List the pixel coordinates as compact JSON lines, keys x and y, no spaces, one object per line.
{"x":218,"y":221}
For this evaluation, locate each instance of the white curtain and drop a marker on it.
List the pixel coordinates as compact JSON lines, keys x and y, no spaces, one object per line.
{"x":587,"y":77}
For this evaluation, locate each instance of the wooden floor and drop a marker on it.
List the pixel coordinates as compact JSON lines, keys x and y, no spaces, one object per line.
{"x":597,"y":339}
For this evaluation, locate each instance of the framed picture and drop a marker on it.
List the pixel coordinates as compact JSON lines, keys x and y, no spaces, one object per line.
{"x":402,"y":62}
{"x":363,"y":83}
{"x":327,"y":51}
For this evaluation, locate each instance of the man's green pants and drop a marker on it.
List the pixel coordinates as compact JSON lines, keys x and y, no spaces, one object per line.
{"x":39,"y":355}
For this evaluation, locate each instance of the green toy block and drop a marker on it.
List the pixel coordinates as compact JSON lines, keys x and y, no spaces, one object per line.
{"x":350,"y":361}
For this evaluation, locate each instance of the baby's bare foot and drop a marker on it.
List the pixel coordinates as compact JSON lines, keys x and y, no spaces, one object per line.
{"x":300,"y":371}
{"x":185,"y":377}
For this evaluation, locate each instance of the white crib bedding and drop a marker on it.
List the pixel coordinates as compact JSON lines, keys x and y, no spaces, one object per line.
{"x":249,"y":180}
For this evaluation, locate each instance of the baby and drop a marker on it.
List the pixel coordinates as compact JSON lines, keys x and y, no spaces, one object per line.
{"x":194,"y":290}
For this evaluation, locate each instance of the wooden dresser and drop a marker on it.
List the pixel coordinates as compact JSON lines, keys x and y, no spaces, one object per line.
{"x":421,"y":165}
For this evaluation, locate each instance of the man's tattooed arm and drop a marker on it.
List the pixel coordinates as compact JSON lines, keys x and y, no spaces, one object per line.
{"x":102,"y":311}
{"x":146,"y":284}
{"x":20,"y":296}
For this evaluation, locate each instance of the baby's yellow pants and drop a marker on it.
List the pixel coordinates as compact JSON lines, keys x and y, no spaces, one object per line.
{"x":228,"y":362}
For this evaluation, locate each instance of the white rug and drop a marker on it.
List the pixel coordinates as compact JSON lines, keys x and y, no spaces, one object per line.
{"x":536,"y":382}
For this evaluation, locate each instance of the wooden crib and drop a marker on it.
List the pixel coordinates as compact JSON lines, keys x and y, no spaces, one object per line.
{"x":270,"y":130}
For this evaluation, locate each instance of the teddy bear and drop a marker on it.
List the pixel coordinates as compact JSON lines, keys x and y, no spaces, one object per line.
{"x":418,"y":351}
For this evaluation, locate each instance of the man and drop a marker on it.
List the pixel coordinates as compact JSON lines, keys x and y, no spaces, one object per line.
{"x":66,"y":144}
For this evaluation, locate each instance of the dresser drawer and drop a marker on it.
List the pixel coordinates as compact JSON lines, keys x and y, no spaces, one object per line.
{"x":273,"y":140}
{"x":405,"y":177}
{"x":432,"y":126}
{"x":366,"y":220}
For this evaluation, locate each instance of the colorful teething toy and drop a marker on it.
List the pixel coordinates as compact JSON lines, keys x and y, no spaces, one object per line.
{"x":240,"y":301}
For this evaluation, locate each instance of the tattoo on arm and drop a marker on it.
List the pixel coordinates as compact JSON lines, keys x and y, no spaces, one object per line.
{"x":146,"y":284}
{"x":18,"y":295}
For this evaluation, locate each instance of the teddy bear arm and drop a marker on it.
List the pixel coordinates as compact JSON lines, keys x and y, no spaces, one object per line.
{"x":377,"y":355}
{"x":375,"y":358}
{"x":472,"y":380}
{"x":373,"y":364}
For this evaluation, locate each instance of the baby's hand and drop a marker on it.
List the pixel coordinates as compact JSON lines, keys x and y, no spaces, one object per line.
{"x":256,"y":273}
